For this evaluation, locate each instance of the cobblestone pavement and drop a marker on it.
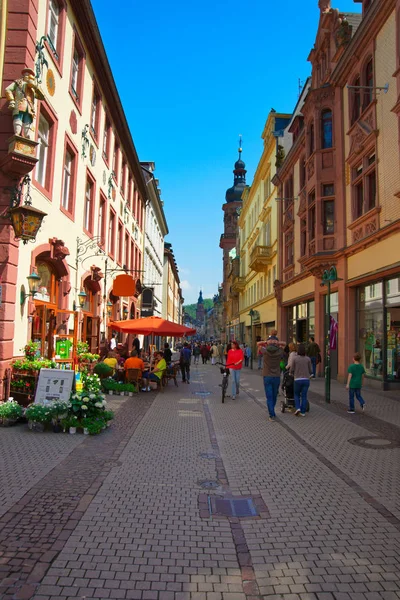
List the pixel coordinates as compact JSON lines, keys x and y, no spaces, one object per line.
{"x":144,"y":512}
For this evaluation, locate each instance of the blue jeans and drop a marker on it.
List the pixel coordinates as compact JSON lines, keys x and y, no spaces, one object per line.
{"x":300,"y":394}
{"x":357,"y":392}
{"x":235,"y":381}
{"x":314,"y":365}
{"x":271,"y":386}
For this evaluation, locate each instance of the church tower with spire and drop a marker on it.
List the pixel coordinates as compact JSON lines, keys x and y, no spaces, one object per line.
{"x":200,"y":315}
{"x":228,"y":240}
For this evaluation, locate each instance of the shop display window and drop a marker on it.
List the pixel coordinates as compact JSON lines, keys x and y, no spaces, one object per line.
{"x":393,"y":329}
{"x":371,"y":328}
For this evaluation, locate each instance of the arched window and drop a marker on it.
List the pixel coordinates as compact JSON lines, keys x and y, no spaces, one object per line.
{"x":326,"y":129}
{"x":355,"y":100}
{"x":369,"y":83}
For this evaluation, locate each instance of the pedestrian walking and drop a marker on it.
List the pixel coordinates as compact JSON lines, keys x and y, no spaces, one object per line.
{"x":301,"y":369}
{"x":204,"y":353}
{"x":221,"y":352}
{"x":259,"y":357}
{"x":247,"y":356}
{"x":196,"y":354}
{"x":113,"y":342}
{"x":272,"y":355}
{"x":214,"y":354}
{"x":167,"y":353}
{"x":313,"y":352}
{"x":184,"y":362}
{"x":234,"y":360}
{"x":136,"y":345}
{"x":355,"y":376}
{"x":292,"y":347}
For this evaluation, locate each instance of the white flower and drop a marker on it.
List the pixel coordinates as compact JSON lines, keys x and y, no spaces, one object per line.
{"x":99,"y":405}
{"x":84,"y":407}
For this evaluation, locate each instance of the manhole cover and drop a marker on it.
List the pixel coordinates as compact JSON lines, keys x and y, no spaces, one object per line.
{"x":235,"y":508}
{"x":209,"y":485}
{"x":209,"y":455}
{"x":374,"y":443}
{"x":239,"y":507}
{"x":202,"y":393}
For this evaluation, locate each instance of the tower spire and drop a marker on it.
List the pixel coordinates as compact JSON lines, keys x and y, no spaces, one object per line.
{"x":240,"y":145}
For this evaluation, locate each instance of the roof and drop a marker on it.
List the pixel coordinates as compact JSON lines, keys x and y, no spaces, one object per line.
{"x":354,"y":19}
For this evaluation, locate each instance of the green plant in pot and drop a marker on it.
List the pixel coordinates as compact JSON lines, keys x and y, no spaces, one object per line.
{"x":109,"y":385}
{"x":107,"y":416}
{"x":10,"y":412}
{"x":38,"y":416}
{"x":70,"y":423}
{"x":95,"y":426}
{"x":103,"y":370}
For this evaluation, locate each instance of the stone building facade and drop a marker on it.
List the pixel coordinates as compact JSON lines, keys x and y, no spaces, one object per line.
{"x":343,"y":172}
{"x":84,"y":174}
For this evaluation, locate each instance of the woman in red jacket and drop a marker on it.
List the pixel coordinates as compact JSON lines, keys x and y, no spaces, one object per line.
{"x":234,"y":361}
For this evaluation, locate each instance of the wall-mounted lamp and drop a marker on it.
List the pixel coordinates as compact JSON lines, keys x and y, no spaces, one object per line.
{"x":33,"y":282}
{"x":125,"y":312}
{"x":25,"y":219}
{"x":109,"y":308}
{"x":82,"y":298}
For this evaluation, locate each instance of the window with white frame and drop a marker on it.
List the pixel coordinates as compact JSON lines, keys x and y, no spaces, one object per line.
{"x":65,"y":200}
{"x":53,"y":25}
{"x":41,"y":169}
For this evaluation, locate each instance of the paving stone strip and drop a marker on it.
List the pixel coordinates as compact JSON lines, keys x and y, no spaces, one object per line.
{"x":36,"y":528}
{"x":249,"y":582}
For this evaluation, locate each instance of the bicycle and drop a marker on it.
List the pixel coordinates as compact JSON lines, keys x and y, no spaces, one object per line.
{"x":224,"y":370}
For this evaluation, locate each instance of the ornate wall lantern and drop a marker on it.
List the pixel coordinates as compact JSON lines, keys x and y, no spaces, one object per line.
{"x":82,"y":298}
{"x":33,"y":283}
{"x":25,"y":219}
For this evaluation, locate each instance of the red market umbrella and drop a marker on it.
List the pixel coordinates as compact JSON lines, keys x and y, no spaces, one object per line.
{"x":149,"y":325}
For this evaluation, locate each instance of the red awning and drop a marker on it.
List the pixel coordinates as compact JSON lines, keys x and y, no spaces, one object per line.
{"x":149,"y":325}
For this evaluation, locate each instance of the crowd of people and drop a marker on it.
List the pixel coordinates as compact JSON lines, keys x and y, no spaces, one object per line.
{"x":274,"y":358}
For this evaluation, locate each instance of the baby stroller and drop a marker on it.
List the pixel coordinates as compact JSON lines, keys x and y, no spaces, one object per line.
{"x":288,"y":393}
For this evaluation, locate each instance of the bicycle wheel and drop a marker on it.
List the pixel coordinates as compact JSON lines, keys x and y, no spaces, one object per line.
{"x":224,"y":388}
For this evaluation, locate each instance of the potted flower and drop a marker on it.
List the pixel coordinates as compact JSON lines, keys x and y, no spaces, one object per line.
{"x":94,"y":426}
{"x":70,"y":423}
{"x":108,"y":385}
{"x":59,"y":411}
{"x":31,"y":350}
{"x":85,"y":423}
{"x":38,"y":415}
{"x":10,"y":412}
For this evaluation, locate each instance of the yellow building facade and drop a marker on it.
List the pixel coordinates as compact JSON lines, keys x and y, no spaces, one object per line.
{"x":258,"y":241}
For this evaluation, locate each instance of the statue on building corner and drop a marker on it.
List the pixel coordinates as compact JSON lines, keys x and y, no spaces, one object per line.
{"x":21,"y":95}
{"x":324,"y":6}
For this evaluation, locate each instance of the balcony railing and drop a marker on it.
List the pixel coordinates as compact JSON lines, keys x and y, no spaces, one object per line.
{"x":261,"y":257}
{"x":238,"y":284}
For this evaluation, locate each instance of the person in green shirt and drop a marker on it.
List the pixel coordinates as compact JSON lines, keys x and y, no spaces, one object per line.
{"x":354,"y":383}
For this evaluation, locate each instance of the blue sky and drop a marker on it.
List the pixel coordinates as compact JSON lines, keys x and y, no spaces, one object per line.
{"x":192,"y":78}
